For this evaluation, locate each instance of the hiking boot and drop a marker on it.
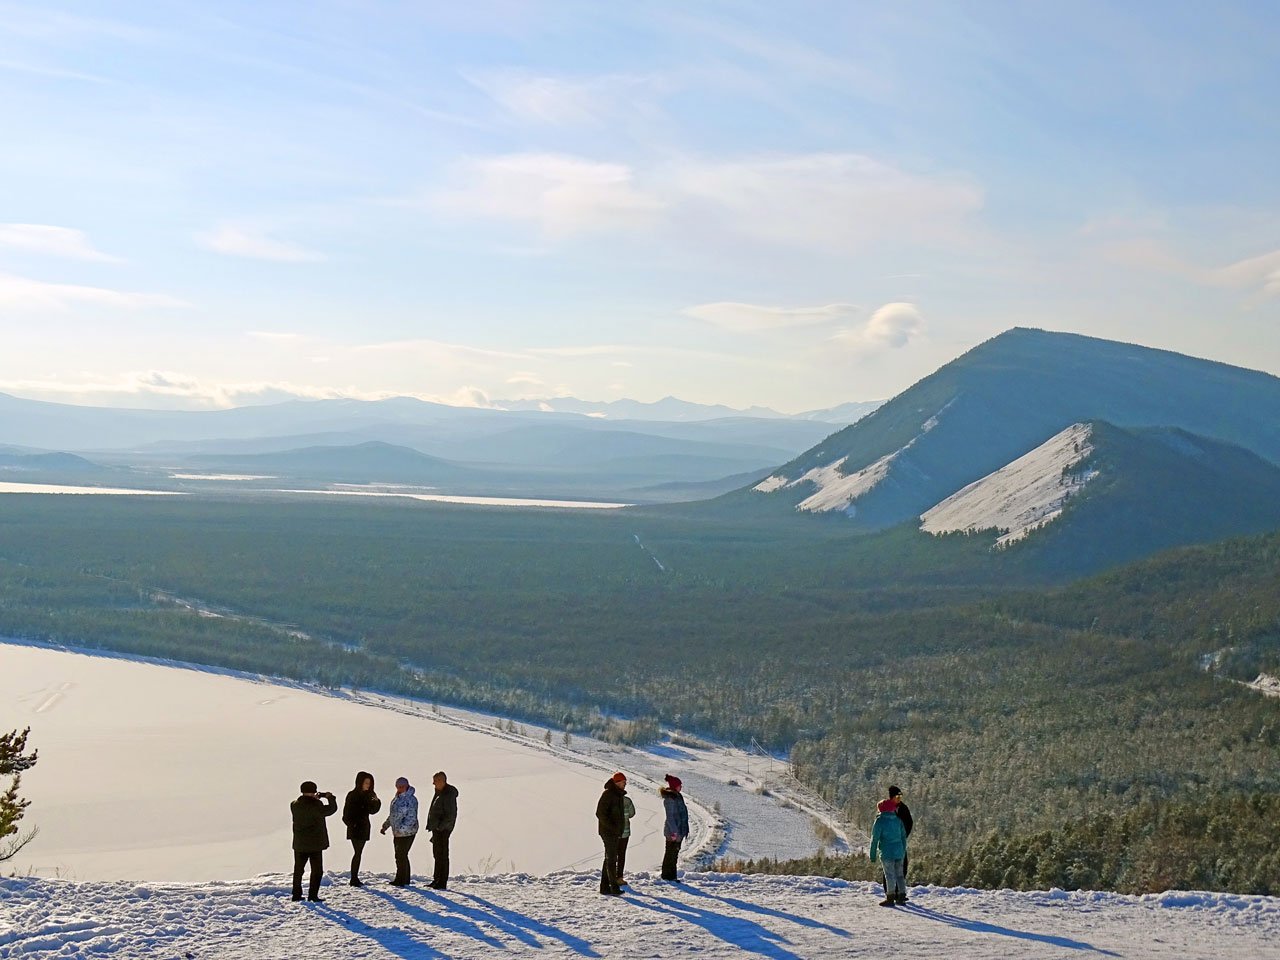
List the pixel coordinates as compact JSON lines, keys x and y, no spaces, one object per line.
{"x":901,"y":898}
{"x":888,"y":902}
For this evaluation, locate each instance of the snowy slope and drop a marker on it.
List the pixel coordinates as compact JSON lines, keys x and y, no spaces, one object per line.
{"x":1027,"y":493}
{"x":563,"y":916}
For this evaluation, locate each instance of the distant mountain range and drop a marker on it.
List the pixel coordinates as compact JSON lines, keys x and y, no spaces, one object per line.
{"x":1142,"y":448}
{"x":589,"y":450}
{"x":674,"y":410}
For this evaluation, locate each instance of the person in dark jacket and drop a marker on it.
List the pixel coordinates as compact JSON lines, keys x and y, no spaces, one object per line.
{"x":442,"y":816}
{"x":360,"y":805}
{"x":402,"y":821}
{"x":310,"y":835}
{"x":676,"y":827}
{"x":610,"y":819}
{"x":904,"y":814}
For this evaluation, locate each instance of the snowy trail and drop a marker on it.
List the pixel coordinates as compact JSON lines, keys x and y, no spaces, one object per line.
{"x":562,"y":916}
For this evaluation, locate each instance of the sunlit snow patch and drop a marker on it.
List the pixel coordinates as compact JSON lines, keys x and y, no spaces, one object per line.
{"x":1021,"y":496}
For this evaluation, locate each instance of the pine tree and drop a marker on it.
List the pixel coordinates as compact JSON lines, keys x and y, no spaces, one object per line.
{"x":13,"y":761}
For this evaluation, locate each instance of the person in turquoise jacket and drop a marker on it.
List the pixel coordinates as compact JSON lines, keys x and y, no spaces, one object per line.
{"x":889,"y":845}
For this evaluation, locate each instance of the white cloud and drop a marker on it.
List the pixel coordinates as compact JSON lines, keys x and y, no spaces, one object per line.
{"x":564,"y":195}
{"x":560,"y":101}
{"x":891,"y":327}
{"x":1261,"y":274}
{"x":24,"y":293}
{"x":750,"y":317}
{"x":847,"y":201}
{"x":51,"y":241}
{"x":237,"y":241}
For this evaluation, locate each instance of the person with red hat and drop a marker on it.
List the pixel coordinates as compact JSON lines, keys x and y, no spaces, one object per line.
{"x":889,"y":844}
{"x":676,"y":827}
{"x":611,"y":818}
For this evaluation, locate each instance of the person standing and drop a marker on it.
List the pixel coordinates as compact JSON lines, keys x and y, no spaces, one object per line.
{"x":628,"y":811}
{"x":676,"y":827}
{"x":610,"y":819}
{"x":904,"y":814}
{"x":402,"y":819}
{"x":889,"y":844}
{"x":360,"y":805}
{"x":442,"y":816}
{"x":310,"y":836}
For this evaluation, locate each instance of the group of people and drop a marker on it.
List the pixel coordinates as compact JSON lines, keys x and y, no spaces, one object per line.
{"x":311,"y":834}
{"x":614,"y":811}
{"x":889,"y":845}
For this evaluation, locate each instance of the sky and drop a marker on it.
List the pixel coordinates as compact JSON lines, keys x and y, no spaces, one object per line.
{"x":791,"y":205}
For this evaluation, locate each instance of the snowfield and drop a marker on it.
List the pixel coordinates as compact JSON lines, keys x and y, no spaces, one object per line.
{"x":1027,"y":493}
{"x":709,"y":915}
{"x":193,"y":769}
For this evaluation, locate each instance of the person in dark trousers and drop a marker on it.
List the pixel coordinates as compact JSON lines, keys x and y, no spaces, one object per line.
{"x":628,"y":811}
{"x":611,"y":818}
{"x":442,"y":816}
{"x":889,"y":846}
{"x":904,"y":814}
{"x":676,"y":827}
{"x":310,"y":836}
{"x":402,"y":820}
{"x":360,"y":805}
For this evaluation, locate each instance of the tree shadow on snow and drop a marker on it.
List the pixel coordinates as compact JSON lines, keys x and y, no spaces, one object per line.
{"x":534,"y":927}
{"x":392,"y":939}
{"x":740,"y":932}
{"x":768,"y":911}
{"x":980,"y":926}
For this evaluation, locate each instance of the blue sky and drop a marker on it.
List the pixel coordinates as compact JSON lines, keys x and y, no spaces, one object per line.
{"x":792,"y":205}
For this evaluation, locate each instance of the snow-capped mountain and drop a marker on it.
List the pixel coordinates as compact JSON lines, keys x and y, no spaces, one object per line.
{"x":1002,"y":400}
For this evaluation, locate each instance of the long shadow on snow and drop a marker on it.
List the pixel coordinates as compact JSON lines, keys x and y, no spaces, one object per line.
{"x":391,"y":939}
{"x":534,"y":927}
{"x":980,"y":926}
{"x":452,"y":924}
{"x":740,"y":932}
{"x":768,"y":911}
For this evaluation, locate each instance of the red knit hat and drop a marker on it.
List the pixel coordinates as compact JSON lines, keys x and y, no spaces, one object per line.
{"x":619,"y":777}
{"x":887,"y":806}
{"x":673,"y":782}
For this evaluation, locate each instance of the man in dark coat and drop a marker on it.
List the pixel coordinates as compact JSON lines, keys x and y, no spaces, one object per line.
{"x":675,"y":827}
{"x":610,"y":819}
{"x":310,"y":835}
{"x":360,"y":805}
{"x":442,"y":816}
{"x":904,"y":814}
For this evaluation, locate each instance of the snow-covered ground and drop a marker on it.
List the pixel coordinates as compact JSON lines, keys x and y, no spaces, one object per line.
{"x":1021,"y":496}
{"x":1266,"y":685}
{"x":563,"y":916}
{"x":193,"y":769}
{"x":147,"y":771}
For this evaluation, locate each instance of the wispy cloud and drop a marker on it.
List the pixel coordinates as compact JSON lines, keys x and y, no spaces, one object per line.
{"x":52,"y":241}
{"x":565,"y":101}
{"x":439,"y":350}
{"x":25,"y":293}
{"x":1261,"y":274}
{"x":891,"y":327}
{"x":750,"y":317}
{"x":236,"y":241}
{"x":563,"y":195}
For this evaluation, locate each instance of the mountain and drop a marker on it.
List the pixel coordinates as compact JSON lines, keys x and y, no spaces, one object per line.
{"x":51,"y":462}
{"x":372,"y":462}
{"x":669,"y":409}
{"x":844,"y":413}
{"x":1002,"y":400}
{"x":1096,"y":495}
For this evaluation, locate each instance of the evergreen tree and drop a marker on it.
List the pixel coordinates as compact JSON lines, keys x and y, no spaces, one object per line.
{"x":14,"y":759}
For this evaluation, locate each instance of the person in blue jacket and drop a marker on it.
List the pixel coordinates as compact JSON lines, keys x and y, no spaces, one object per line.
{"x":889,"y":845}
{"x":676,"y":826}
{"x":402,"y":819}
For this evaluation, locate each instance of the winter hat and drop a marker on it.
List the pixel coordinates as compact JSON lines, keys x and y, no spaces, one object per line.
{"x":894,"y":792}
{"x":619,"y":778}
{"x":308,"y":786}
{"x":673,"y":782}
{"x":402,"y":781}
{"x":887,"y":806}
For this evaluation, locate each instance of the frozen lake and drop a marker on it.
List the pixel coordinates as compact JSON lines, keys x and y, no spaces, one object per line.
{"x":163,"y":773}
{"x":473,"y":501}
{"x":10,"y":487}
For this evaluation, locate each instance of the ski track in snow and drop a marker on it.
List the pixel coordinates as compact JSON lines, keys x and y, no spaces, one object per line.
{"x":710,"y":915}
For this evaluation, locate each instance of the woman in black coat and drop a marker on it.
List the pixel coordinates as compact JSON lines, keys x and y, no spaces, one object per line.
{"x":361,"y":804}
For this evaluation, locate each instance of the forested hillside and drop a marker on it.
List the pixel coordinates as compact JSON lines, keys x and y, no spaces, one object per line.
{"x":994,"y":698}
